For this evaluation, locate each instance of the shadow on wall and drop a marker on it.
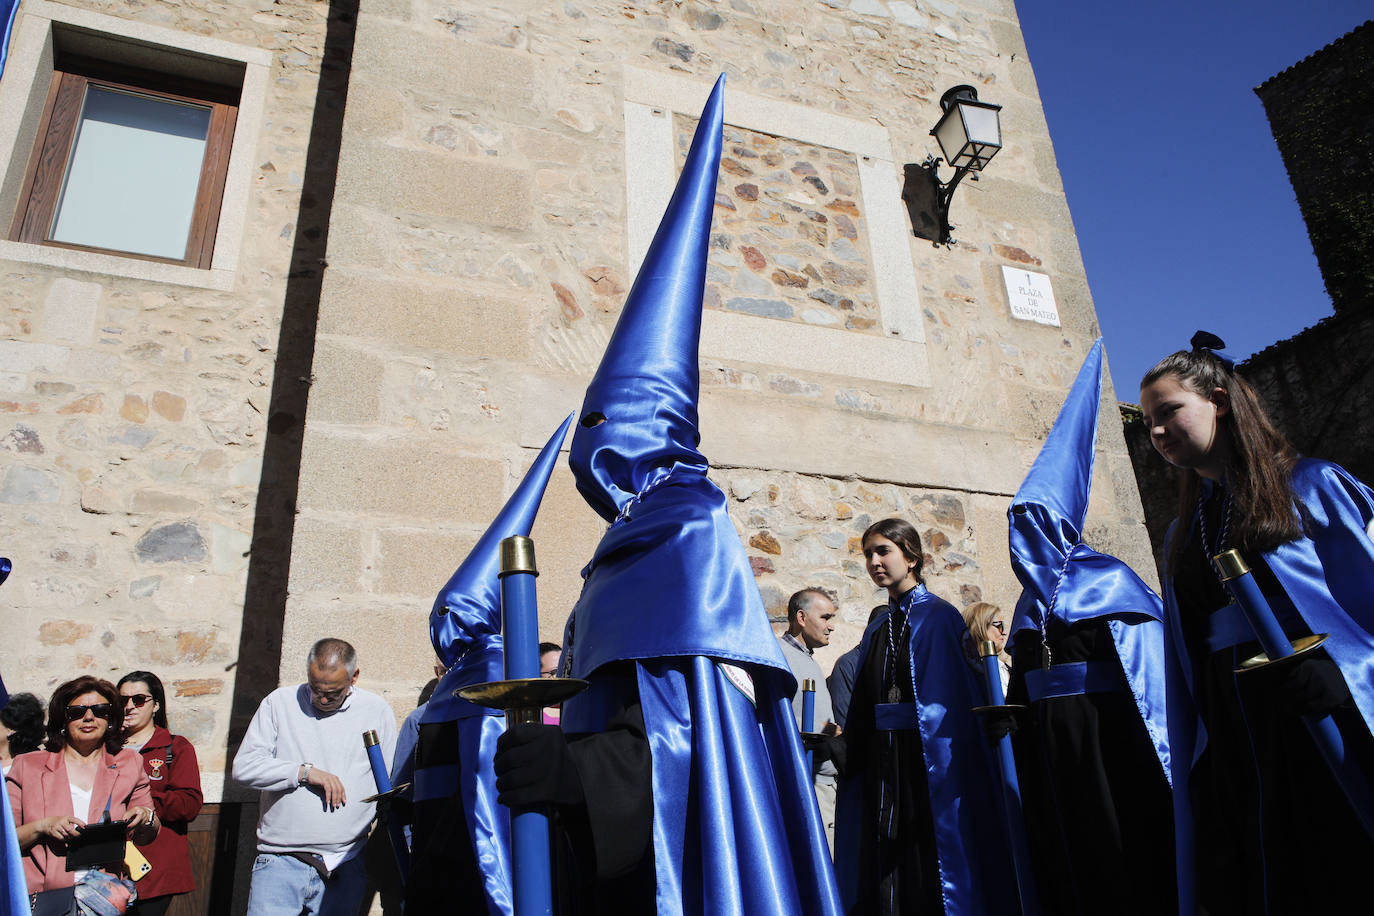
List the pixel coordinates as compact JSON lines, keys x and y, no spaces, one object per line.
{"x":264,"y":606}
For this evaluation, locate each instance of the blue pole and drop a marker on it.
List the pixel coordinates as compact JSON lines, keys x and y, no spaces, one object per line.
{"x":1239,"y":581}
{"x":374,"y":757}
{"x":1011,"y":790}
{"x":808,"y":723}
{"x":533,"y":877}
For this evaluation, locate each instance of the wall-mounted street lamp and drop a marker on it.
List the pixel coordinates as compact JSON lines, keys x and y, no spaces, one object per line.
{"x":970,"y":134}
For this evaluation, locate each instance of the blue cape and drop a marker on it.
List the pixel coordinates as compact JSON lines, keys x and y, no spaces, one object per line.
{"x":736,"y":828}
{"x":1065,"y":578}
{"x":969,"y":820}
{"x":465,"y":627}
{"x":1328,"y":575}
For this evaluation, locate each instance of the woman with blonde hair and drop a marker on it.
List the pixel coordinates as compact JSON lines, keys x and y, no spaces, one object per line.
{"x":986,"y":622}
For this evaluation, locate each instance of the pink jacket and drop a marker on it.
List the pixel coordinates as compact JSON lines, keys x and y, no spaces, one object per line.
{"x":38,"y":788}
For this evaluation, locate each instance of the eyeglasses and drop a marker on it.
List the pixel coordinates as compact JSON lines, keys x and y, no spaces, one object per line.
{"x":1001,"y":627}
{"x":101,"y":710}
{"x":138,"y":699}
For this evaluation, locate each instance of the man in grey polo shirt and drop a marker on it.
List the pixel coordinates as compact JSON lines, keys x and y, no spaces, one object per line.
{"x":304,"y":752}
{"x":810,"y":621}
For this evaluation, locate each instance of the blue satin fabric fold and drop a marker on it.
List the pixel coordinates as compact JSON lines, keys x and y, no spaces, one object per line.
{"x":736,"y":828}
{"x":488,"y":821}
{"x":969,"y":820}
{"x":478,"y":730}
{"x":672,"y":579}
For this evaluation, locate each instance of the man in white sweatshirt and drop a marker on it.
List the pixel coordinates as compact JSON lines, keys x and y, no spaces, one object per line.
{"x":304,"y":752}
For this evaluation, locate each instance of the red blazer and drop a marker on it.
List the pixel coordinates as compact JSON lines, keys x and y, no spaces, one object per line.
{"x":169,"y":761}
{"x":38,"y":788}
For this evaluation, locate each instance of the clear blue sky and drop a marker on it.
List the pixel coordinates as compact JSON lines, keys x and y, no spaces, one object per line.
{"x":1182,"y":205}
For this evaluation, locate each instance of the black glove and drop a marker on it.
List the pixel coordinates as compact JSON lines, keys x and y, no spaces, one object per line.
{"x":1311,"y":686}
{"x":826,"y":747}
{"x":998,"y":723}
{"x":533,"y":767}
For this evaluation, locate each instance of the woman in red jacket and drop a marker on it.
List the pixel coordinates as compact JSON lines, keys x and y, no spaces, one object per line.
{"x":170,"y":762}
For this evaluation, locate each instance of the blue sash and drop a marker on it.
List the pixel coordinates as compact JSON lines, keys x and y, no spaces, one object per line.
{"x":893,"y":717}
{"x":1073,"y":679}
{"x":1228,"y":627}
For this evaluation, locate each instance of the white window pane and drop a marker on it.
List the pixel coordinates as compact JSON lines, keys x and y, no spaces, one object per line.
{"x":135,"y":166}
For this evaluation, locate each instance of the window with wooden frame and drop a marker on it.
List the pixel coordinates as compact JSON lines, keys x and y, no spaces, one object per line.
{"x":128,"y":162}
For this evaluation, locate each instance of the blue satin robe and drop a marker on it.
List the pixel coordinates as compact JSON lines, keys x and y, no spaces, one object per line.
{"x":736,"y":828}
{"x":965,"y":801}
{"x":1329,"y":576}
{"x":470,"y":775}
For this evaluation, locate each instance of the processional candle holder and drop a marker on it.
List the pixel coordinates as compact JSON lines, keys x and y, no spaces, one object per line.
{"x":1011,"y":785}
{"x":522,"y":696}
{"x":385,"y":790}
{"x":1279,"y":650}
{"x":1236,"y":576}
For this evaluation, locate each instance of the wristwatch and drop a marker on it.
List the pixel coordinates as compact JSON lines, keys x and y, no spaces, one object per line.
{"x":304,"y":778}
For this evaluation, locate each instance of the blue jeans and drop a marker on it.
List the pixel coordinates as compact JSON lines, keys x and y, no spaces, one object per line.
{"x":284,"y":886}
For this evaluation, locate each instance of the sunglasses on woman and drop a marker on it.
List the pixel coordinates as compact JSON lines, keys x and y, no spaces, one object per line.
{"x":138,"y":699}
{"x":101,"y":710}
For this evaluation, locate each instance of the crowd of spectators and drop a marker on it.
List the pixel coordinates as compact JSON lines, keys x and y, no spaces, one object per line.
{"x":102,"y":794}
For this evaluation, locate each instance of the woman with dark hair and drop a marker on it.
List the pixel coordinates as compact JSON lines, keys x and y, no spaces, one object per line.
{"x":917,"y":831}
{"x":21,"y":727}
{"x":174,"y":775}
{"x":82,"y":773}
{"x":1272,"y":829}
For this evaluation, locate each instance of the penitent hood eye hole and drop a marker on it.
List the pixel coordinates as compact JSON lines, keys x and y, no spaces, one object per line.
{"x":595,"y":418}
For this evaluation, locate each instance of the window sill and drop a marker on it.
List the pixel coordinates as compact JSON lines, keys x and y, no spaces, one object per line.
{"x":115,"y":266}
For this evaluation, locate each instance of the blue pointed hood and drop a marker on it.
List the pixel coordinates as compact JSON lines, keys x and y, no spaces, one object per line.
{"x":467,"y":612}
{"x":1060,"y":574}
{"x":647,"y":385}
{"x":1065,"y":582}
{"x":5,"y":567}
{"x":670,"y":576}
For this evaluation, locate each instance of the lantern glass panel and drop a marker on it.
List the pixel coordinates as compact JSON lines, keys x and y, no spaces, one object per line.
{"x":982,"y":124}
{"x":949,"y":132}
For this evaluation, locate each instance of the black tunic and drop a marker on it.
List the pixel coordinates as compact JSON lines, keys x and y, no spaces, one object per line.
{"x":898,"y":858}
{"x":443,"y":867}
{"x":1275,"y":833}
{"x":1096,"y":801}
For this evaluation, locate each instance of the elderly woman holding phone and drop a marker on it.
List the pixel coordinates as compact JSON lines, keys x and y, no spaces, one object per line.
{"x":82,"y":774}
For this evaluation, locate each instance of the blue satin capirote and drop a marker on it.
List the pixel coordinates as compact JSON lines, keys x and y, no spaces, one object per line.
{"x":1328,"y":575}
{"x":736,"y":828}
{"x":648,"y":382}
{"x":467,"y":611}
{"x":465,"y":627}
{"x":969,"y":820}
{"x":1063,"y":577}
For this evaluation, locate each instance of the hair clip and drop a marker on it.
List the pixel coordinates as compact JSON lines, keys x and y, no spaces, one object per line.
{"x":1206,"y":340}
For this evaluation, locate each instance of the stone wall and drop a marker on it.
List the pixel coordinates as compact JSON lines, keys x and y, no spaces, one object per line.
{"x":428,"y":277}
{"x":479,"y":255}
{"x":1320,"y":110}
{"x":133,"y":416}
